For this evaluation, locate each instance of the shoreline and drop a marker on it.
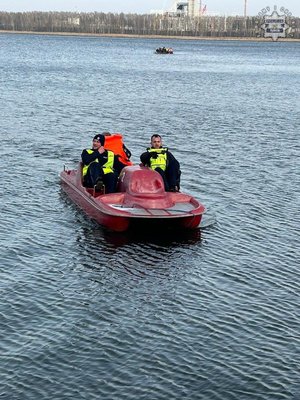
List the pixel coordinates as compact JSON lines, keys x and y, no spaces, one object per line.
{"x":128,"y":36}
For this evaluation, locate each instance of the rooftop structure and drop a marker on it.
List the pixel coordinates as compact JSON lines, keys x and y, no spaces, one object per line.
{"x":191,"y":8}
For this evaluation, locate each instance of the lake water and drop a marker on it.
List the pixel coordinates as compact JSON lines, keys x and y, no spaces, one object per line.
{"x":212,"y":314}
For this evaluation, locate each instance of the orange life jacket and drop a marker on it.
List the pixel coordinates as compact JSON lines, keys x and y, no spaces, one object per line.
{"x":115,"y":144}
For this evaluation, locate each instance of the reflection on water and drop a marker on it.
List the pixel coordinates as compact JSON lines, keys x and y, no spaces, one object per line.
{"x":136,"y":253}
{"x":161,"y":239}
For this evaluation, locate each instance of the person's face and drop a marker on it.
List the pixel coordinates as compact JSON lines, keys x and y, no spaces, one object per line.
{"x":96,"y":144}
{"x":156,"y":142}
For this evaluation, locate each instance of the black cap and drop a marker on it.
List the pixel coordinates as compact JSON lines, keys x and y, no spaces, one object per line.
{"x":101,"y":139}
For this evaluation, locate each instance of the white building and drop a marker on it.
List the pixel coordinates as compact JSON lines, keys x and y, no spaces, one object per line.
{"x":191,"y":8}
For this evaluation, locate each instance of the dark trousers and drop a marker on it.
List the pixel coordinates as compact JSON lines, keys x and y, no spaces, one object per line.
{"x":171,"y":176}
{"x":95,"y":173}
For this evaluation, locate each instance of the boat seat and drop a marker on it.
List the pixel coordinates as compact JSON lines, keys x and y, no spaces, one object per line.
{"x":141,"y":181}
{"x":145,"y":187}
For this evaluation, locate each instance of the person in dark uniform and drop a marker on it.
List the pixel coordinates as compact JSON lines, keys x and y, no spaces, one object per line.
{"x":160,"y":159}
{"x":99,"y":166}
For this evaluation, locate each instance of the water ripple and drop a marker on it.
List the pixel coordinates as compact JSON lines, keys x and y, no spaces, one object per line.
{"x":210,"y":314}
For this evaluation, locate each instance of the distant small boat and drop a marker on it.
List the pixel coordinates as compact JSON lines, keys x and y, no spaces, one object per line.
{"x":164,"y":50}
{"x":141,"y":202}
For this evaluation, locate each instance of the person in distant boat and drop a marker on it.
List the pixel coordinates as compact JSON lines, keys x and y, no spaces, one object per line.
{"x":160,"y":159}
{"x":114,"y":142}
{"x":99,"y":166}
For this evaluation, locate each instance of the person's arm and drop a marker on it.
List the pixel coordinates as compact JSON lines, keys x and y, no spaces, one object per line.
{"x":170,"y":156}
{"x":102,"y":157}
{"x":145,"y":158}
{"x":172,"y":160}
{"x":88,"y":158}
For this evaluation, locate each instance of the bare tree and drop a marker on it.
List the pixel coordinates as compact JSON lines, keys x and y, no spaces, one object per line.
{"x":136,"y":24}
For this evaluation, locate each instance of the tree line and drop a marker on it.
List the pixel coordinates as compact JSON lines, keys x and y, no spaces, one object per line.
{"x":137,"y":24}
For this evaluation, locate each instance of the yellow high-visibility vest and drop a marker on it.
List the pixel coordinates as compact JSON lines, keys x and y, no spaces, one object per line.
{"x":107,"y":167}
{"x":161,"y":160}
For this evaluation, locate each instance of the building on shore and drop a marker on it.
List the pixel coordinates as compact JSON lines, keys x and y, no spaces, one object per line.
{"x":189,"y":8}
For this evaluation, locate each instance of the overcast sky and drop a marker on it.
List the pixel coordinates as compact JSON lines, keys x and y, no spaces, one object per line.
{"x":222,"y":7}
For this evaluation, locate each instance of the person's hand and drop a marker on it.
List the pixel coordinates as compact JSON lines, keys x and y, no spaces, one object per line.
{"x":101,"y":150}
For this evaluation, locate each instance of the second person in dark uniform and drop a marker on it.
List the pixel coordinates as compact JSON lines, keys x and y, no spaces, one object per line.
{"x":100,"y":166}
{"x":160,"y":159}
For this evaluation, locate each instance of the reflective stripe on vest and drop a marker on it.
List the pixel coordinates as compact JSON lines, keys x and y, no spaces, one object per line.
{"x":107,"y":167}
{"x":115,"y":144}
{"x":161,"y":160}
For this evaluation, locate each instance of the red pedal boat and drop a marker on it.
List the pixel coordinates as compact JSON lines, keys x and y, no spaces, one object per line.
{"x":141,"y":202}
